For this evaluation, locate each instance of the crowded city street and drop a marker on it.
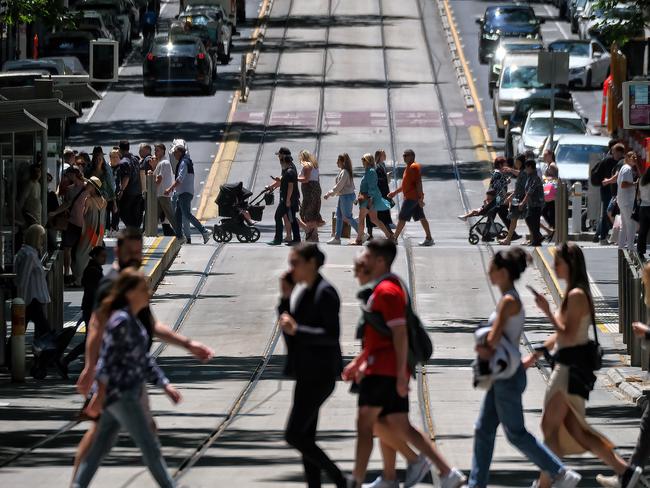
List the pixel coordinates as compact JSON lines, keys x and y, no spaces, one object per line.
{"x":327,"y":101}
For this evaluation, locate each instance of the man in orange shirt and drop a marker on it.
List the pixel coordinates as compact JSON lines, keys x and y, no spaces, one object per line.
{"x":412,"y":206}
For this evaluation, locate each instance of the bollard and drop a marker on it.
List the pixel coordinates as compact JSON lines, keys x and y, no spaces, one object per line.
{"x":243,"y":82}
{"x":561,"y":213}
{"x":18,"y":340}
{"x":576,"y":208}
{"x":636,"y":303}
{"x":333,"y":224}
{"x":151,"y":213}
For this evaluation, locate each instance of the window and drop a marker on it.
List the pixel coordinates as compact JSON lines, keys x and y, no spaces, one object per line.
{"x":541,"y":126}
{"x":520,"y":77}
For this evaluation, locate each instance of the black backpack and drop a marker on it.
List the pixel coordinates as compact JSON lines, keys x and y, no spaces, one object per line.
{"x":420,"y":347}
{"x":595,"y":176}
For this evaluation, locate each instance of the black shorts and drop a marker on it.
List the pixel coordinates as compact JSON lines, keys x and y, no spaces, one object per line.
{"x":381,"y":391}
{"x":71,"y":236}
{"x":411,"y":210}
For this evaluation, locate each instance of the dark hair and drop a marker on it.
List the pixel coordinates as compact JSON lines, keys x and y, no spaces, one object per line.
{"x":572,"y":255}
{"x":510,"y":162}
{"x":85,"y":156}
{"x":129,"y":234}
{"x":383,"y":248}
{"x":521,"y":158}
{"x":73,"y":170}
{"x":410,"y":152}
{"x":618,"y":147}
{"x":514,"y":261}
{"x":309,"y":251}
{"x":160,"y":146}
{"x":499,"y":162}
{"x":124,"y":146}
{"x":491,"y":192}
{"x":530,"y":163}
{"x":34,"y":171}
{"x":96,"y":251}
{"x":129,"y":279}
{"x":612,"y":143}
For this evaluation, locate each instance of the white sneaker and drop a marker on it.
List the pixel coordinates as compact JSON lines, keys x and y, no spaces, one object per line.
{"x":608,"y":481}
{"x":453,"y":480}
{"x":206,"y":236}
{"x":415,"y":472}
{"x":462,"y":217}
{"x":334,"y":241}
{"x":381,"y":483}
{"x":427,"y":243}
{"x":567,"y":479}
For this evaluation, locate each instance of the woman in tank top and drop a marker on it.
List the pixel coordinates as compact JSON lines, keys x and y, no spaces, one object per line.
{"x":563,"y":420}
{"x":502,"y":403}
{"x":310,"y":204}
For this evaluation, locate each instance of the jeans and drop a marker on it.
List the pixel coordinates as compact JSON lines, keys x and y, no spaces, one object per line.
{"x":644,"y":227}
{"x":127,"y":412}
{"x":131,"y":208}
{"x":344,"y":211}
{"x":532,"y":221}
{"x":502,"y":404}
{"x":184,"y":216}
{"x":308,"y":396}
{"x":642,"y":450}
{"x":280,"y":212}
{"x":628,"y":228}
{"x":167,"y":210}
{"x":604,"y":225}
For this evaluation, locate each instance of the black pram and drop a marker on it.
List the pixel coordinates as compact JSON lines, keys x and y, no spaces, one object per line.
{"x":233,"y":205}
{"x":486,"y":228}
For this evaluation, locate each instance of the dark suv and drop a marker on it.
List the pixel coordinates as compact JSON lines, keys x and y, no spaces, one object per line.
{"x":506,"y":21}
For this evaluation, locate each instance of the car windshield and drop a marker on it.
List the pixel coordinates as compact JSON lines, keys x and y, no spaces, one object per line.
{"x":175,"y":49}
{"x":541,"y":126}
{"x":580,"y":49}
{"x":195,"y":19}
{"x":510,"y":16}
{"x":523,"y":47}
{"x":580,"y":153}
{"x":520,"y":77}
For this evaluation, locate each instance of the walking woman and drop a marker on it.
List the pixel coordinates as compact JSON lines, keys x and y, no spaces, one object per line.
{"x":124,"y":366}
{"x":112,"y":214}
{"x":563,"y":419}
{"x":370,"y":199}
{"x":92,"y":232}
{"x":644,"y":214}
{"x":309,"y":179}
{"x":344,"y":189}
{"x":384,"y":188}
{"x":551,"y":182}
{"x":515,"y":198}
{"x":502,"y":403}
{"x":309,"y":317}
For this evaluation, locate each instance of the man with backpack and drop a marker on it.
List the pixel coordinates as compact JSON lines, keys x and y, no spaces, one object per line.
{"x":383,"y":367}
{"x":130,"y":200}
{"x":600,"y":174}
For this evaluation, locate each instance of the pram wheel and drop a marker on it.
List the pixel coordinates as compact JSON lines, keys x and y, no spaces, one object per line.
{"x":242,"y":237}
{"x":254,"y":234}
{"x":226,"y":236}
{"x":217,"y":234}
{"x":473,"y":239}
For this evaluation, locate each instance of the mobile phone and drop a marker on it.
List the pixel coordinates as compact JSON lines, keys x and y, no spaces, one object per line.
{"x":533,"y":290}
{"x":288,"y":277}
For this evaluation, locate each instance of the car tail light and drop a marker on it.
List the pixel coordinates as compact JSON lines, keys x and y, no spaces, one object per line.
{"x":150,"y":57}
{"x":200,"y":56}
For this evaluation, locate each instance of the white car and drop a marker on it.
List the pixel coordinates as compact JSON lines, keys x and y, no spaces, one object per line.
{"x":537,"y":128}
{"x":575,"y":154}
{"x":518,"y":79}
{"x":509,"y":45}
{"x":588,"y":61}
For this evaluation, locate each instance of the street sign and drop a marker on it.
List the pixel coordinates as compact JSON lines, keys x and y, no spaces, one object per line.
{"x":636,"y":105}
{"x":553,"y":68}
{"x":104,"y":60}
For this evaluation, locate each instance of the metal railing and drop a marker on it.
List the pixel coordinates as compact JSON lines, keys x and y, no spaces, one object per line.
{"x":631,"y":305}
{"x":151,"y":208}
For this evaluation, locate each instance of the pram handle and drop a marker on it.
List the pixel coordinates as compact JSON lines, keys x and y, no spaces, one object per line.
{"x":258,"y":198}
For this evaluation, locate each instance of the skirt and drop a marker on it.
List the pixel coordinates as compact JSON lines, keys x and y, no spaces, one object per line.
{"x":311,"y":202}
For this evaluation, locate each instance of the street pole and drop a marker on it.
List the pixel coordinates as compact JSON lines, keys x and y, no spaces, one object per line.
{"x":552,"y":106}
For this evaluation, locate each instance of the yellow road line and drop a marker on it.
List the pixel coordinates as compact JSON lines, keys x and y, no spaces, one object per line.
{"x":223,"y":160}
{"x":486,"y":140}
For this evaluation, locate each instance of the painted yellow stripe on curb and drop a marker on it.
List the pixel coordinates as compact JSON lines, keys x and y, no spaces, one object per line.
{"x":225,"y":156}
{"x":150,"y":250}
{"x":486,"y":140}
{"x":171,"y":243}
{"x":478,"y":141}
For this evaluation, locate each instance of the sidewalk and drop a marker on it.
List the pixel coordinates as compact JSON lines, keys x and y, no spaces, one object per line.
{"x":602,"y":264}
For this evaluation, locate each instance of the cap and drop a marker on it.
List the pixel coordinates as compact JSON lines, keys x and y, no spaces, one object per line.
{"x":283,"y":151}
{"x":98,"y":150}
{"x":179,"y":144}
{"x":68,"y":150}
{"x":96,"y":182}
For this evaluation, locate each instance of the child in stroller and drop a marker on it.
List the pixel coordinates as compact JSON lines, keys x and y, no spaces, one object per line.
{"x":239,"y":215}
{"x":485,"y":227}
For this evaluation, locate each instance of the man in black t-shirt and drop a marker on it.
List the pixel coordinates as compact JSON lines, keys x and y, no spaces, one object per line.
{"x":289,"y":201}
{"x":129,"y":254}
{"x":607,"y":169}
{"x":131,"y":204}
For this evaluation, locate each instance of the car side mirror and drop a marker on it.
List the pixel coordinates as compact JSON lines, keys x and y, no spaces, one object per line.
{"x":515,"y":131}
{"x":598,"y":55}
{"x":479,"y":21}
{"x":586,"y":119}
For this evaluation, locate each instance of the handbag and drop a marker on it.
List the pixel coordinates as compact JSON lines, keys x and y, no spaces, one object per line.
{"x":61,"y":219}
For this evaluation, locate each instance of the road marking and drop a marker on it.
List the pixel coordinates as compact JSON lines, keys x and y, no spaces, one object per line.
{"x":487,"y":141}
{"x":559,"y":26}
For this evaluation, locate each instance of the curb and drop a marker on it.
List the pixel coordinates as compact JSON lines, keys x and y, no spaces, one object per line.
{"x":167,"y":257}
{"x":629,"y":390}
{"x":548,"y":275}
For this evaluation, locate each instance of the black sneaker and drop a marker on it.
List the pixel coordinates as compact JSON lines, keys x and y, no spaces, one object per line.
{"x":274,"y":243}
{"x":515,"y":237}
{"x":291,"y":243}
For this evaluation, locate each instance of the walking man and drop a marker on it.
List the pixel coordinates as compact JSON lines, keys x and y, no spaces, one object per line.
{"x":600,"y":175}
{"x":183,"y":185}
{"x":285,"y":214}
{"x":625,"y":197}
{"x":383,"y":390}
{"x":413,"y":204}
{"x":164,"y":178}
{"x":130,"y":196}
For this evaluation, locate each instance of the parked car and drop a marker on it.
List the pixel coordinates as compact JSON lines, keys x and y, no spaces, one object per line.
{"x":594,"y":24}
{"x":505,"y":46}
{"x":219,"y":28}
{"x":69,"y":43}
{"x":538,"y":127}
{"x":49,"y":66}
{"x":72,"y":64}
{"x":513,"y":20}
{"x":588,"y":61}
{"x":104,"y":22}
{"x":181,"y":62}
{"x":576,"y":7}
{"x":120,"y":10}
{"x":525,"y":106}
{"x":575,"y":153}
{"x":518,"y":80}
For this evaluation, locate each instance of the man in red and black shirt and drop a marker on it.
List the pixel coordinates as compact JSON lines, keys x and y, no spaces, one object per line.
{"x":381,"y":369}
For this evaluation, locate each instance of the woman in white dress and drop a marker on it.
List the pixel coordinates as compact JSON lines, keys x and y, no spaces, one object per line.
{"x":563,"y":420}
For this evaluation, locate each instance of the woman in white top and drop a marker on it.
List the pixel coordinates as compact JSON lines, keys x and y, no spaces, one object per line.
{"x":563,"y":420}
{"x":644,"y":214}
{"x":344,"y":189}
{"x":502,"y":403}
{"x":309,"y":179}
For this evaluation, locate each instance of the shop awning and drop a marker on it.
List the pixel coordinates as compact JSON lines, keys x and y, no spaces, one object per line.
{"x":46,"y":108}
{"x":18,"y":120}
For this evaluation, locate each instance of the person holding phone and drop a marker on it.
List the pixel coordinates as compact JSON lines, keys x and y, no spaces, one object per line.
{"x":309,"y":318}
{"x":289,"y":200}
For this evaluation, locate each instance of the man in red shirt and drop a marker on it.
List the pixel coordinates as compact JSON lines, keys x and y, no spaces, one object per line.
{"x":413,"y":204}
{"x":382,"y":371}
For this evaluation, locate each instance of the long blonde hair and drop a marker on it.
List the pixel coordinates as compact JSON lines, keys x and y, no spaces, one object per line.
{"x":368,"y":160}
{"x":347,"y":163}
{"x":307,"y":159}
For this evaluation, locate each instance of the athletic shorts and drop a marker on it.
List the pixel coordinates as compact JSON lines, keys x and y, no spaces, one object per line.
{"x":381,"y":391}
{"x":411,"y":210}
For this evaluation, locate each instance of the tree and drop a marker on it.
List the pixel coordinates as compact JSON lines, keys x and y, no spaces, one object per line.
{"x":620,"y":22}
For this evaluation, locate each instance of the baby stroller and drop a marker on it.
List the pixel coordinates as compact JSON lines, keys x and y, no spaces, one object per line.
{"x":486,"y":228}
{"x":233,"y":206}
{"x":48,"y":350}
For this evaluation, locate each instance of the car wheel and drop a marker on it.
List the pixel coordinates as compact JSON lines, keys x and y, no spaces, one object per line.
{"x":588,"y":80}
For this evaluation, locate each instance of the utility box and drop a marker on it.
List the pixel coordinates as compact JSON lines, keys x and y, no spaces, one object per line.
{"x":553,"y":68}
{"x":104,"y":60}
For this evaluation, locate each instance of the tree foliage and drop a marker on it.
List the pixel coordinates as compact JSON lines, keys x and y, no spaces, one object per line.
{"x":622,"y":24}
{"x":17,"y":12}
